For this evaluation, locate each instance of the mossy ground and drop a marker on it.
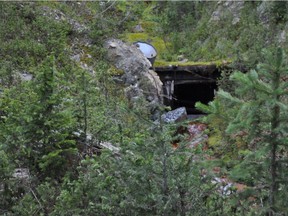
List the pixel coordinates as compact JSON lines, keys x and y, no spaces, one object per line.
{"x":157,"y":42}
{"x":162,"y":63}
{"x":151,"y":35}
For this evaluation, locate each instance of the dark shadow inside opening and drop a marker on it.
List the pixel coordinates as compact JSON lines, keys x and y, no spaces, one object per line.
{"x":188,"y":94}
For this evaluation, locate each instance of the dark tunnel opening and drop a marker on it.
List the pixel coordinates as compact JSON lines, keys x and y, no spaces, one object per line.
{"x":189,"y":93}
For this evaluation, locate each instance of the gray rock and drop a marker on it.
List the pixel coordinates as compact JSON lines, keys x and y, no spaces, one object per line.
{"x":78,"y":46}
{"x":60,"y":16}
{"x":133,"y":92}
{"x":263,"y":11}
{"x":76,"y":58}
{"x":184,"y":60}
{"x":235,"y":20}
{"x":180,"y":57}
{"x":142,"y":83}
{"x":25,"y":76}
{"x":216,"y":15}
{"x":138,"y":28}
{"x":282,"y":37}
{"x":111,"y":147}
{"x":175,"y":116}
{"x":21,"y":173}
{"x":233,"y":7}
{"x":127,"y":57}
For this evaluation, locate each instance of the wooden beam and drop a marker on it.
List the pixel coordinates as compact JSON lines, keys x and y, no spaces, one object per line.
{"x":194,"y":68}
{"x":180,"y":82}
{"x":191,"y":72}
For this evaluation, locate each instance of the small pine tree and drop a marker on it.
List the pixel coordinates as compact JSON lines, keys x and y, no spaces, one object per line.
{"x":146,"y":177}
{"x":49,"y":132}
{"x":260,"y":107}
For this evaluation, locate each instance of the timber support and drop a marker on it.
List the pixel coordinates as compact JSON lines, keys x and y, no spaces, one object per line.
{"x":186,"y":85}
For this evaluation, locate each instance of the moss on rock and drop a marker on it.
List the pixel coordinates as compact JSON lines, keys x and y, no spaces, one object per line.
{"x":113,"y":71}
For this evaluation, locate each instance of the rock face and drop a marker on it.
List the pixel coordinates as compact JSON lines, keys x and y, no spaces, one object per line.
{"x":224,"y":10}
{"x":141,"y":82}
{"x":234,"y":8}
{"x":57,"y":15}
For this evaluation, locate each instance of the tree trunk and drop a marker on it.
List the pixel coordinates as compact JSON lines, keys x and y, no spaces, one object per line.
{"x":274,"y":126}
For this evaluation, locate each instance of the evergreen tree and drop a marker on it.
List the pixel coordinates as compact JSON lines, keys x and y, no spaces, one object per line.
{"x":146,"y":177}
{"x":260,"y":109}
{"x":50,"y":130}
{"x":36,"y":128}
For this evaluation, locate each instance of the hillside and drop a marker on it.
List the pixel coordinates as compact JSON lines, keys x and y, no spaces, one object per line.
{"x":83,"y":127}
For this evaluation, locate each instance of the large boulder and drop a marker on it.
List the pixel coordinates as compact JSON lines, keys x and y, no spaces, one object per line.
{"x":141,"y":82}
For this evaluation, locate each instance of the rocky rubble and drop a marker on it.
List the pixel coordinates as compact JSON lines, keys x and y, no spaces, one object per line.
{"x":81,"y":42}
{"x":224,"y":9}
{"x":60,"y":16}
{"x":197,"y":134}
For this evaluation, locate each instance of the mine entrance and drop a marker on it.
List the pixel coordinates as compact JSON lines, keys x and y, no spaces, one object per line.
{"x":189,"y":93}
{"x":184,"y":86}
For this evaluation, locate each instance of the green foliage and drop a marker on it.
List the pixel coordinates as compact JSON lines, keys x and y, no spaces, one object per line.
{"x":112,"y":19}
{"x":218,"y":120}
{"x":27,"y":36}
{"x":51,"y":143}
{"x":6,"y":193}
{"x":38,"y":201}
{"x":147,"y":177}
{"x":257,"y":113}
{"x":53,"y":124}
{"x":189,"y":28}
{"x":182,"y":25}
{"x":279,"y":11}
